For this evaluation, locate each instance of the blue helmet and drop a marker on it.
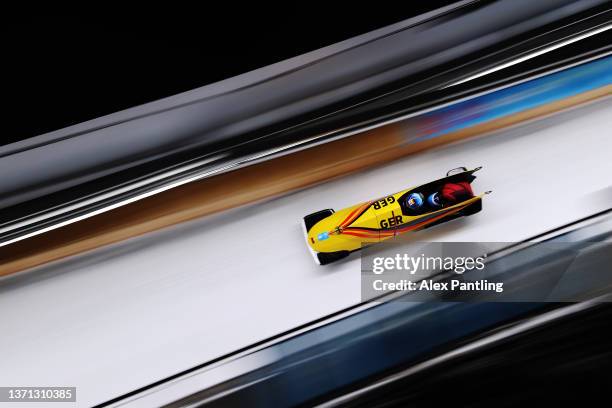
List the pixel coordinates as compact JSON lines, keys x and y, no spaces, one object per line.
{"x":414,"y":201}
{"x":434,"y":200}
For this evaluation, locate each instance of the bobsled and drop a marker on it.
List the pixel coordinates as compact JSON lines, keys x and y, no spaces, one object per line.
{"x":333,"y":235}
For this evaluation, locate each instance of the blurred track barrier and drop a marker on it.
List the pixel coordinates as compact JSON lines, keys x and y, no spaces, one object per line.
{"x":418,"y":64}
{"x":475,"y":116}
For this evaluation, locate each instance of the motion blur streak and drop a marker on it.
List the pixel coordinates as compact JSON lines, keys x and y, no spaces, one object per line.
{"x":77,"y":172}
{"x":475,"y":116}
{"x":391,"y":337}
{"x":157,"y":305}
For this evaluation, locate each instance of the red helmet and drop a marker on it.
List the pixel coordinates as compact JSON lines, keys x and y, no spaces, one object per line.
{"x":455,"y":192}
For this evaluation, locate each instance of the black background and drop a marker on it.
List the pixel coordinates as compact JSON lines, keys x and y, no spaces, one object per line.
{"x":64,"y":69}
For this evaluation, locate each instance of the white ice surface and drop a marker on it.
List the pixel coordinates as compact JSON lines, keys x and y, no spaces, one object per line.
{"x":122,"y":317}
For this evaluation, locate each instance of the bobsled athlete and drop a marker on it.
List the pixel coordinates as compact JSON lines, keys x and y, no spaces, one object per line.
{"x":414,"y":201}
{"x":456,"y":192}
{"x":434,"y":200}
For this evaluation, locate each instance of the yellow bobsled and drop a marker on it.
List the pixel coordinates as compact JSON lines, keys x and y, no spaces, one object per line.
{"x":332,"y":235}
